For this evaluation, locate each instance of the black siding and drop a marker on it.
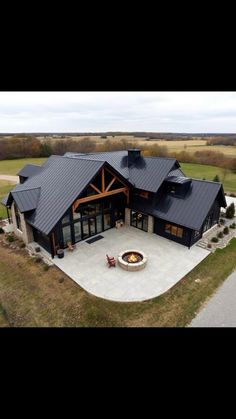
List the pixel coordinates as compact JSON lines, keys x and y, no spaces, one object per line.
{"x":159,"y":228}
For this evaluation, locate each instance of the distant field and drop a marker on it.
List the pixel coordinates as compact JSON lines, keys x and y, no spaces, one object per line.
{"x":191,"y":146}
{"x":200,"y":171}
{"x":12,"y":167}
{"x":5,"y":187}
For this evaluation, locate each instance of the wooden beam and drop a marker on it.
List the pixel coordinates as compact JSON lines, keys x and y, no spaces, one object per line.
{"x":108,"y":170}
{"x":110,"y":184}
{"x":103,"y":180}
{"x":95,"y":188}
{"x":94,"y":197}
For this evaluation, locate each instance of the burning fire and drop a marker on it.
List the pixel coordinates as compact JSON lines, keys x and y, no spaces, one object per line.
{"x":132,"y":258}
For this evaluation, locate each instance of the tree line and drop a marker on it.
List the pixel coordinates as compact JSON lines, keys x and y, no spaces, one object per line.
{"x":30,"y":146}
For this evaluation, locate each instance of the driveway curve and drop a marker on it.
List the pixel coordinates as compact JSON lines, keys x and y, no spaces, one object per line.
{"x":13,"y":179}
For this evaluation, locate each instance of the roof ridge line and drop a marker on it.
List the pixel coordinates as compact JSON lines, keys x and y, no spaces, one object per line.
{"x":207,"y":181}
{"x":28,"y":189}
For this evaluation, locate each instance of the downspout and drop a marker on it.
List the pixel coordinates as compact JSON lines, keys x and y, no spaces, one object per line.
{"x":53,"y":247}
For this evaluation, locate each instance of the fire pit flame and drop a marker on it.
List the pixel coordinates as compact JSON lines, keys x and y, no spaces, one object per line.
{"x":133,"y":258}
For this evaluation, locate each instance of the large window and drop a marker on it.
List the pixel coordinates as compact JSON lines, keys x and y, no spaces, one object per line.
{"x":78,"y":233}
{"x":139,"y":220}
{"x":66,"y":234}
{"x":18,"y":219}
{"x":174,"y":230}
{"x":107,"y":221}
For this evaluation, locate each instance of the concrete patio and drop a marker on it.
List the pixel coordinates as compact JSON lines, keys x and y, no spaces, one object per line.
{"x":168,"y":262}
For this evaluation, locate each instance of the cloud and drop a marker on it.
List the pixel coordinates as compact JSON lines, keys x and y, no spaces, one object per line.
{"x":118,"y":111}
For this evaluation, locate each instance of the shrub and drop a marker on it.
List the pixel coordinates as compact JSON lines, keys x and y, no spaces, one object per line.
{"x":22,"y":245}
{"x":61,"y":280}
{"x":38,"y":259}
{"x":214,"y":239}
{"x":216,"y":179}
{"x":46,"y":268}
{"x":220,"y":235}
{"x":222,"y":221}
{"x":233,"y":195}
{"x":37,"y":249}
{"x":230,"y":211}
{"x":226,"y":230}
{"x":232,"y":225}
{"x":1,"y":230}
{"x":10,"y":238}
{"x":209,"y":245}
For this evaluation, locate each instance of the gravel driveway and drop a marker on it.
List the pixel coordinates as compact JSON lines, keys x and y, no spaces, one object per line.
{"x":220,"y":311}
{"x":13,"y":179}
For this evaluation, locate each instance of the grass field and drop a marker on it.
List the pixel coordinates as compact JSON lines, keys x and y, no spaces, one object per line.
{"x":11,"y":167}
{"x":31,"y":296}
{"x":5,"y":187}
{"x":200,"y":171}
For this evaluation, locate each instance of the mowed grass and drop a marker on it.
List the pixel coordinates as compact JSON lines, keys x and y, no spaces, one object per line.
{"x":5,"y":187}
{"x":200,"y":171}
{"x":31,"y":296}
{"x":12,"y":167}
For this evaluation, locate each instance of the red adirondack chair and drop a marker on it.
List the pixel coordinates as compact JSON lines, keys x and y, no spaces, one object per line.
{"x":111,"y":261}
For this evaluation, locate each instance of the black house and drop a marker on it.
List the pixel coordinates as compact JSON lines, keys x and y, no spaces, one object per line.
{"x":73,"y":197}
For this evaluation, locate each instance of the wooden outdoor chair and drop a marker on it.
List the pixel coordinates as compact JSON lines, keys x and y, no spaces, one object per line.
{"x":111,"y":261}
{"x":71,"y":246}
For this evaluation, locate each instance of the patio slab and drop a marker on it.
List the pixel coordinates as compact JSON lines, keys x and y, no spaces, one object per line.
{"x":168,"y":262}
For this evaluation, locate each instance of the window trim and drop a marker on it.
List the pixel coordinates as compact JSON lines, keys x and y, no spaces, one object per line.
{"x":18,"y":218}
{"x":179,"y":230}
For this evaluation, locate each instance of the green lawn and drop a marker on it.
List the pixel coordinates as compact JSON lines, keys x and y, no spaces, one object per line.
{"x":200,"y":171}
{"x":5,"y":187}
{"x":11,"y":167}
{"x":31,"y":296}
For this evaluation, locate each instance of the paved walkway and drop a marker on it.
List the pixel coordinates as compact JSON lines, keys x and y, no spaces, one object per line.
{"x":13,"y":179}
{"x":220,"y":311}
{"x":168,"y":262}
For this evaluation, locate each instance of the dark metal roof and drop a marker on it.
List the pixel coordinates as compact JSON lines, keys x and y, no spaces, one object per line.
{"x":4,"y":200}
{"x":26,"y":200}
{"x":176,"y":172}
{"x":146,"y":173}
{"x":61,"y":180}
{"x":178,"y":179}
{"x":191,"y":210}
{"x":29,"y":170}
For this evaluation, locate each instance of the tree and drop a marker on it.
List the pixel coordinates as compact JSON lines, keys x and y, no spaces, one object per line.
{"x":216,"y":178}
{"x":230,"y":211}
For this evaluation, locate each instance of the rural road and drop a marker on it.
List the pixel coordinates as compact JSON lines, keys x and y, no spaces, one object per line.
{"x":220,"y":311}
{"x":13,"y":179}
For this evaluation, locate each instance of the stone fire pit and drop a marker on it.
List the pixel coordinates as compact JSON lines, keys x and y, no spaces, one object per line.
{"x":132,"y":260}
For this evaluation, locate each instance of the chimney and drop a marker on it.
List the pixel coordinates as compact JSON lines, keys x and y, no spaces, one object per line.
{"x":133,"y":155}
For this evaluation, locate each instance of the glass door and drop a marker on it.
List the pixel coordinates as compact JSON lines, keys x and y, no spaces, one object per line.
{"x":66,"y":235}
{"x":99,"y":223}
{"x":92,"y":226}
{"x":85,"y":227}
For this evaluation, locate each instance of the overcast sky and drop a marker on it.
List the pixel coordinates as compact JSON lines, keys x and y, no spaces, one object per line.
{"x":118,"y":111}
